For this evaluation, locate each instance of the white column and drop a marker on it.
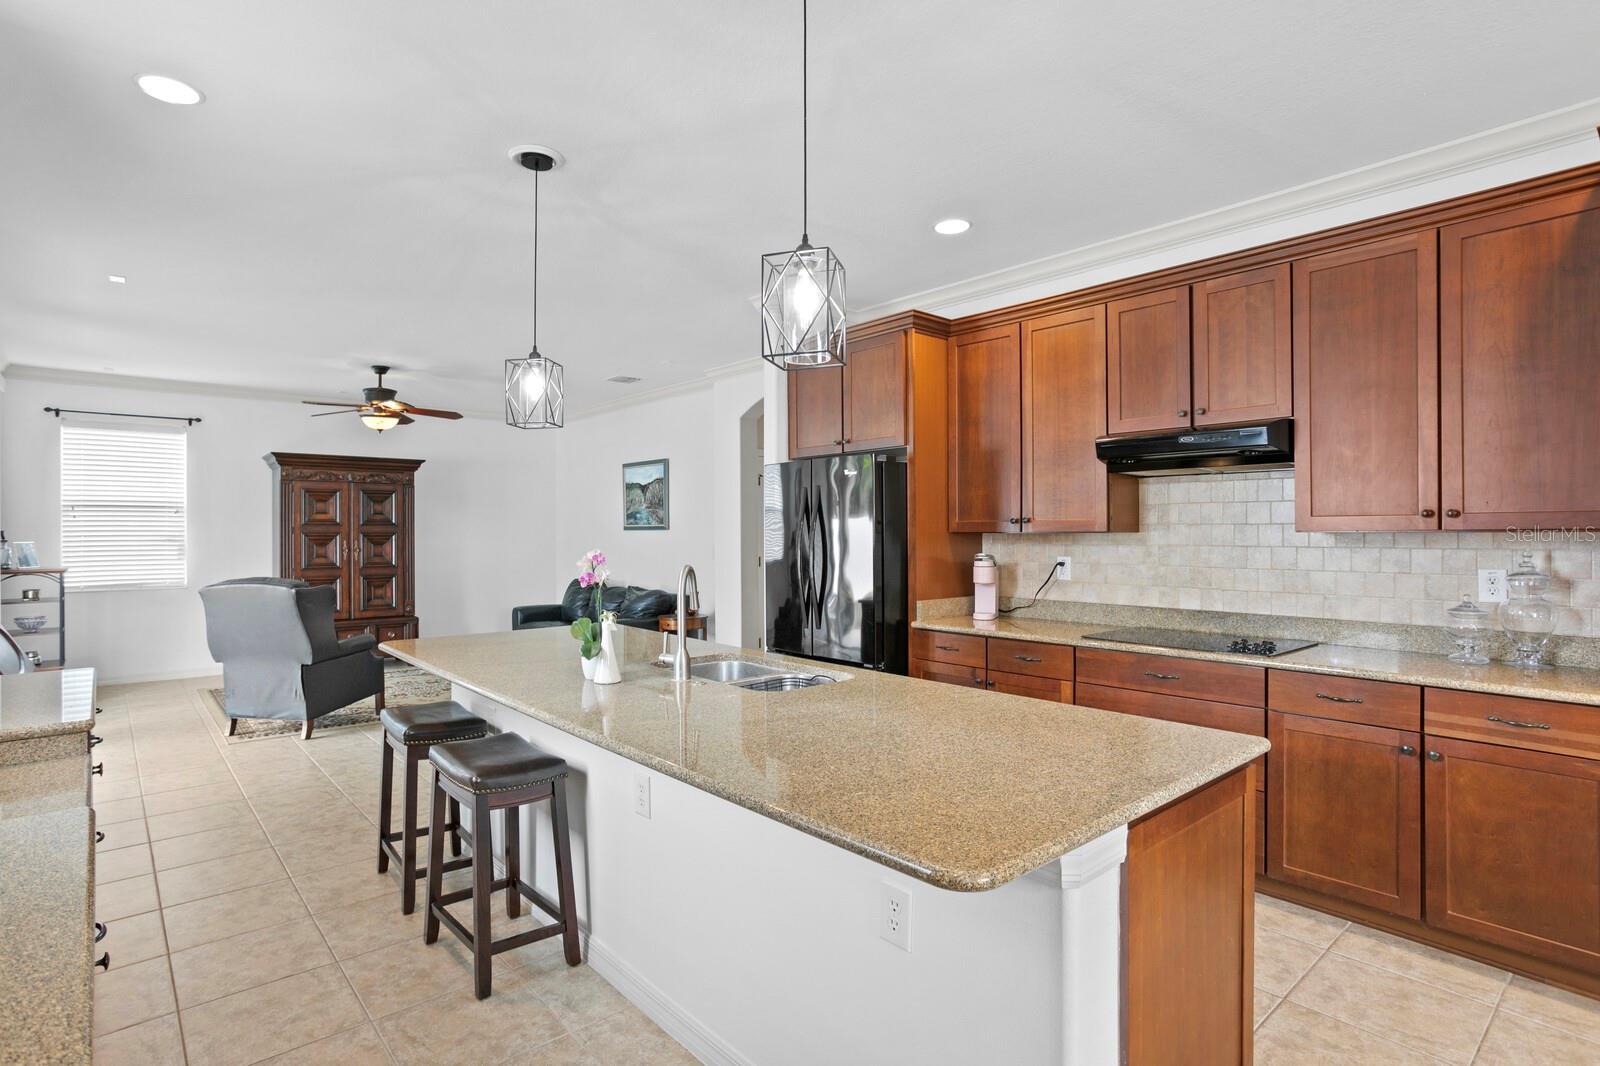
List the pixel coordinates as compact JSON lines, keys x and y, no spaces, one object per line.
{"x":1091,"y":951}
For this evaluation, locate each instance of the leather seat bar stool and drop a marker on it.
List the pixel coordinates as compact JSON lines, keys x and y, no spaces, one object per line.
{"x":411,"y":731}
{"x":499,"y":773}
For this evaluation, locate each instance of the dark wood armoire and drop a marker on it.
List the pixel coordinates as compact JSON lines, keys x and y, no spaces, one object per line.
{"x":348,"y":521}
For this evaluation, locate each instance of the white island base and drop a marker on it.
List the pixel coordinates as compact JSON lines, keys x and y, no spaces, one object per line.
{"x":752,"y":942}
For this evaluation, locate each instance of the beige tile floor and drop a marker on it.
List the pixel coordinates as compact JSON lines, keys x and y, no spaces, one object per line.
{"x":248,"y":924}
{"x":247,"y":921}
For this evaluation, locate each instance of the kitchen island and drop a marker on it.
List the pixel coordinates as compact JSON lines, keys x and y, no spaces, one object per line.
{"x":736,"y":852}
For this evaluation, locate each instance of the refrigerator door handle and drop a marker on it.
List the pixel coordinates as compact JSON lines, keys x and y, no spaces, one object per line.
{"x":825,"y":570}
{"x":802,"y":536}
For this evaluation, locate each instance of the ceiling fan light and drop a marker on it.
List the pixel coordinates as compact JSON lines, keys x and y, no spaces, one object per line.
{"x":534,"y":392}
{"x":380,"y":422}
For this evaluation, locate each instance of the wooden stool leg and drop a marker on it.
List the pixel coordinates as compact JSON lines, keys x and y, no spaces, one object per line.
{"x":482,"y":878}
{"x":408,"y":831}
{"x":513,"y":831}
{"x":430,"y":927}
{"x":568,"y":898}
{"x":455,"y":831}
{"x":385,"y":805}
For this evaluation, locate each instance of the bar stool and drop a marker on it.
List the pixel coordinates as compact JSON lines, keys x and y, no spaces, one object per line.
{"x":501,"y":772}
{"x":412,"y":731}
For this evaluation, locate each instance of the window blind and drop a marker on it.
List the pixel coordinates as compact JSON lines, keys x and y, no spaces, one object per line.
{"x":124,"y":494}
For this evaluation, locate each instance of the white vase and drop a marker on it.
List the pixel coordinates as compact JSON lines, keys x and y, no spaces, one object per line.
{"x":609,"y":672}
{"x":589,"y":666}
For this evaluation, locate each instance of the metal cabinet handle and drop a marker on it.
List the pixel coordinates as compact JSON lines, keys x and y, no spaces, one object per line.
{"x":988,"y":684}
{"x":104,"y":961}
{"x":1427,"y":512}
{"x":1027,"y":658}
{"x":1026,"y":519}
{"x":979,"y":682}
{"x":947,"y":647}
{"x":99,"y":931}
{"x":98,"y":769}
{"x":1516,"y":724}
{"x":839,"y":441}
{"x":99,"y":836}
{"x":1183,"y":414}
{"x":1013,"y":521}
{"x":1199,"y":410}
{"x":1162,"y":677}
{"x":1339,"y":699}
{"x":1434,"y":756}
{"x":1407,"y":749}
{"x":1452,"y":513}
{"x":94,"y":740}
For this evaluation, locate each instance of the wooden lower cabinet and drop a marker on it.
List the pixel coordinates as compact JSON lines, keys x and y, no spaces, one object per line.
{"x":950,"y":673}
{"x":1043,"y":688}
{"x":1345,"y":811}
{"x":1513,"y":853}
{"x":1190,"y":950}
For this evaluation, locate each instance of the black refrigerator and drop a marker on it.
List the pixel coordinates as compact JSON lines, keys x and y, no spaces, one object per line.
{"x":834,"y":547}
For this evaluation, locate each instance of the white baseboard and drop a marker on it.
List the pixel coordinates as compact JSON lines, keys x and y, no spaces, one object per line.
{"x":678,"y":1023}
{"x":181,"y":675}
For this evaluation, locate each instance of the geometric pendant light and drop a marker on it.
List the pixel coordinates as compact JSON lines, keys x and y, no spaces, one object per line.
{"x":802,"y":290}
{"x":534,"y":383}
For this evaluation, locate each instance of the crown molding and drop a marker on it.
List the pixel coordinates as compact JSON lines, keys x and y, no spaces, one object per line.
{"x":1172,"y":242}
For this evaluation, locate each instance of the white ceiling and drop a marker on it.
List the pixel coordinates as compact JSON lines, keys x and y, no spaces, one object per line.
{"x":343,"y":196}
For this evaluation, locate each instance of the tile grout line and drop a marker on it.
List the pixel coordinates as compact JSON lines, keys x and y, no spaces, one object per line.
{"x":1478,"y":1048}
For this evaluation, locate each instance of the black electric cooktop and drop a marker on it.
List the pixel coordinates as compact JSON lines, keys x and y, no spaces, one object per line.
{"x":1189,"y":640}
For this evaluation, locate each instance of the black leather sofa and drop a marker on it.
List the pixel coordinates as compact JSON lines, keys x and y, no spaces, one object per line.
{"x":635,"y":606}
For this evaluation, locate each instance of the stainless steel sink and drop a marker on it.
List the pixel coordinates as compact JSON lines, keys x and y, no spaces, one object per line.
{"x":731,"y":671}
{"x":785,"y":682}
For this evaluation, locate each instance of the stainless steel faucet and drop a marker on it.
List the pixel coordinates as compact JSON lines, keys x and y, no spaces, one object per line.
{"x":680,"y":659}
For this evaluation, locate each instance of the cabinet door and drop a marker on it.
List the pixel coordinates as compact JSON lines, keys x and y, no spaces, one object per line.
{"x":319,"y":530}
{"x":949,"y":673}
{"x":1042,"y":688}
{"x":1520,"y":366}
{"x":377,"y":580}
{"x":1147,"y":362}
{"x":816,"y":411}
{"x":985,"y":442}
{"x":1242,"y":363}
{"x":1064,"y":486}
{"x":875,"y":394}
{"x":1366,"y":387}
{"x":1345,"y":811}
{"x":1513,"y":849}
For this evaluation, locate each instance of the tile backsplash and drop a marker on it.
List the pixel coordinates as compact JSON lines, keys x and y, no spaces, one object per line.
{"x":1227,"y":543}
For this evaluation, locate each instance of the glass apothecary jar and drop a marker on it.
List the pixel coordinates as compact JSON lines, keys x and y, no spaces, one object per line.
{"x":1470,"y":628}
{"x":1527,"y":617}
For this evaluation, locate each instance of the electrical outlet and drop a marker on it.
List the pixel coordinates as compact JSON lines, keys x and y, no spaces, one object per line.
{"x":1063,"y":568}
{"x":641,"y":795}
{"x":1491,"y":586}
{"x":894,"y":919}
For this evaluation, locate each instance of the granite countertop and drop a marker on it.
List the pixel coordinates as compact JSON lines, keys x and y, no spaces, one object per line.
{"x":46,"y":930}
{"x":46,"y":703}
{"x":45,"y":785}
{"x":1566,"y":683}
{"x":962,"y":789}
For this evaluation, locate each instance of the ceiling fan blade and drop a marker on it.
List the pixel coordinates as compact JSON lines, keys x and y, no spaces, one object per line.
{"x":329,"y":403}
{"x":405,"y":421}
{"x":429,"y":412}
{"x":325,"y":414}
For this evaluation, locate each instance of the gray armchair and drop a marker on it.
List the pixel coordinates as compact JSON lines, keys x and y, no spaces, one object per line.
{"x":280,"y":658}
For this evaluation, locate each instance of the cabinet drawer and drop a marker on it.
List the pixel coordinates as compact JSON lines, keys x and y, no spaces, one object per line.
{"x":1212,"y":715}
{"x":1538,"y":725}
{"x":1346,"y":699}
{"x":1043,"y":688}
{"x":1170,"y":675}
{"x":949,"y":673}
{"x":403,"y":631}
{"x":1031,"y":657}
{"x":956,"y":648}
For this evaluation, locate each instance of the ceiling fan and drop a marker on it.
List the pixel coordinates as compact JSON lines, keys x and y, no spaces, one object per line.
{"x":379,"y":409}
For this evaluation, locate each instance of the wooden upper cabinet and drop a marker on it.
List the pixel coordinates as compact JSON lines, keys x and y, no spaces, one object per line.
{"x":1065,"y":487}
{"x":1366,"y":387}
{"x":1242,"y":361}
{"x":1513,"y":843}
{"x":875,"y":393}
{"x":985,"y":445}
{"x":1520,"y":366}
{"x":1147,"y":362}
{"x":1345,"y":811}
{"x":816,"y":411}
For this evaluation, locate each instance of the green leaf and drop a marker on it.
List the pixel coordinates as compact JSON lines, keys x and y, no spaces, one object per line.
{"x":583,"y":629}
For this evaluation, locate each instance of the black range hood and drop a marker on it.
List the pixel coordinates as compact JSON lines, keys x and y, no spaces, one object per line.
{"x":1268,"y":446}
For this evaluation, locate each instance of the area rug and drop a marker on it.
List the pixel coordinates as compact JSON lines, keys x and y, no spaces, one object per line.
{"x":402,"y":685}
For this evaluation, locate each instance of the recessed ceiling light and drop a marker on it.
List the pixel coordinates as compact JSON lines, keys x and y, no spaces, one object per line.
{"x":624,"y":379}
{"x":116,"y":279}
{"x":951,"y":226}
{"x":169,"y":90}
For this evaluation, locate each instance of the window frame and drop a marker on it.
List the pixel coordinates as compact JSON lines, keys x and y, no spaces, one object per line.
{"x":62,"y":510}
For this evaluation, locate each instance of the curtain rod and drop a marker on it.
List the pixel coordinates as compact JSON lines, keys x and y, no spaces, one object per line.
{"x":59,"y":411}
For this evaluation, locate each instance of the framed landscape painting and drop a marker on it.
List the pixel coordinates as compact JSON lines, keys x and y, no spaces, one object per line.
{"x":644,"y":494}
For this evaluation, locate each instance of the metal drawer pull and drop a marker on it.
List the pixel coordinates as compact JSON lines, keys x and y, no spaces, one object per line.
{"x":1162,"y":677}
{"x":978,"y":681}
{"x":1435,"y":756}
{"x":1339,"y":699}
{"x":98,"y":768}
{"x":1027,"y":658}
{"x":947,"y":647}
{"x":104,"y":961}
{"x":99,"y":835}
{"x":94,"y":740}
{"x":1516,"y":724}
{"x":99,"y":931}
{"x":1407,"y":749}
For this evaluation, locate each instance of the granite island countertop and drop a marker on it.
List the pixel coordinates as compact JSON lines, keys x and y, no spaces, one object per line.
{"x":1566,"y":683}
{"x":46,"y":703}
{"x":962,"y":789}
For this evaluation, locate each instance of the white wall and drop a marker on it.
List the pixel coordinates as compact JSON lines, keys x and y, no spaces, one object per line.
{"x":485,"y":531}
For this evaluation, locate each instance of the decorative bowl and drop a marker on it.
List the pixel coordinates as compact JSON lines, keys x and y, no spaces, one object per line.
{"x":31,"y":624}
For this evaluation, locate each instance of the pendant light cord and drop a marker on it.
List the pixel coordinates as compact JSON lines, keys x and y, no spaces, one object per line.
{"x":805,"y":126}
{"x":536,"y":260}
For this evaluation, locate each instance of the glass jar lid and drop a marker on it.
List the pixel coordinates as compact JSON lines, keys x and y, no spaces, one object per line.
{"x":1527,"y":579}
{"x":1468,"y":615}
